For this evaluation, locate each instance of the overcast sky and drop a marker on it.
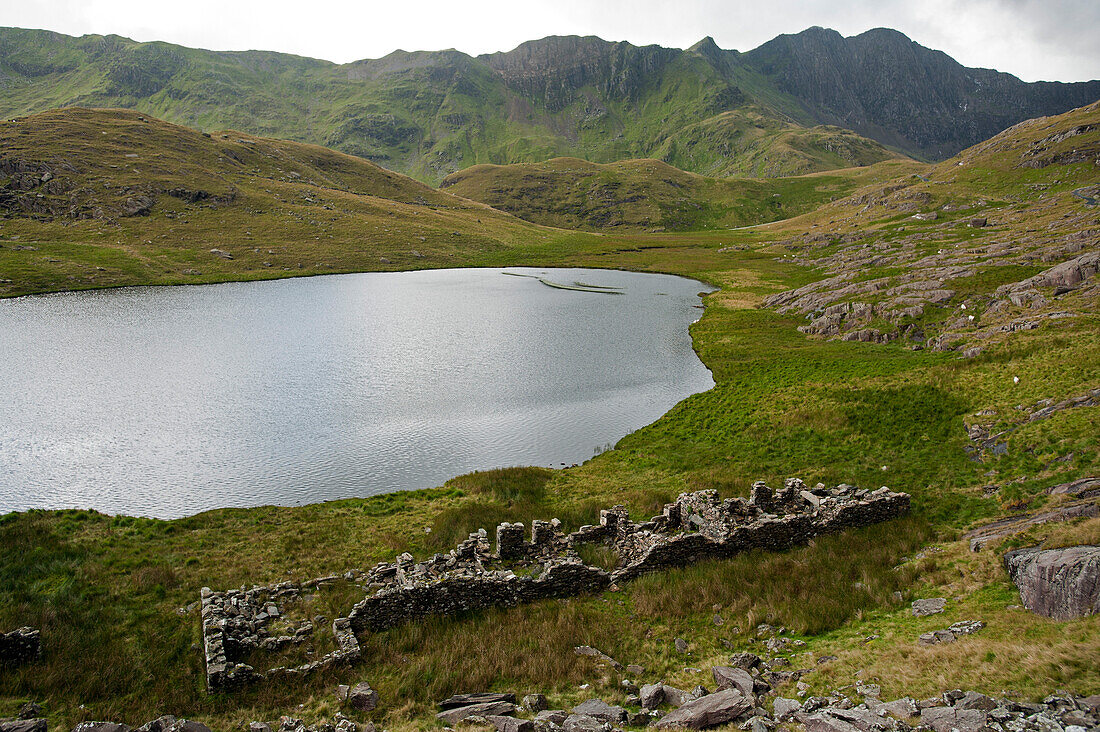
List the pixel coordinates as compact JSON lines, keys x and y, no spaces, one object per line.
{"x":1054,"y":40}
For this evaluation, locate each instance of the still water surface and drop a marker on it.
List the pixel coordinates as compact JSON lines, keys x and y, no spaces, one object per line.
{"x":168,"y":401}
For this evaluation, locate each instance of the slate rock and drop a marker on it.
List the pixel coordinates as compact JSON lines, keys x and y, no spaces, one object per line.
{"x":974,"y":700}
{"x":188,"y":725}
{"x":709,"y":711}
{"x":510,"y":724}
{"x":862,"y":719}
{"x":534,"y":703}
{"x":729,"y":677}
{"x":465,"y":700}
{"x":601,"y":710}
{"x":551,"y":717}
{"x":584,"y":723}
{"x":486,"y":709}
{"x":652,"y":695}
{"x":676,"y":697}
{"x":784,"y":709}
{"x":929,"y":606}
{"x":101,"y":727}
{"x":949,"y":719}
{"x":903,"y":708}
{"x":22,"y":725}
{"x":259,"y":727}
{"x":160,"y":724}
{"x":1057,"y":583}
{"x":362,"y":697}
{"x":747,"y":661}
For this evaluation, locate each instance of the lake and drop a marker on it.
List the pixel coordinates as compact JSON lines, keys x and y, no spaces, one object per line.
{"x":168,"y":401}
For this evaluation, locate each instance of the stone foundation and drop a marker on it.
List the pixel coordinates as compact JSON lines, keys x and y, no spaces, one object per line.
{"x":473,"y":576}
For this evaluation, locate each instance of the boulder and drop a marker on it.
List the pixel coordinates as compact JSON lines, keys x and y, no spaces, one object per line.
{"x":1057,"y":583}
{"x":676,"y":697}
{"x":728,"y":677}
{"x":862,"y":719}
{"x":950,"y":719}
{"x":510,"y":724}
{"x":584,"y":723}
{"x":551,"y":717}
{"x":22,"y":725}
{"x":974,"y":700}
{"x":652,"y":695}
{"x":747,"y":661}
{"x":784,"y":709}
{"x":101,"y":727}
{"x":160,"y":724}
{"x":601,"y":710}
{"x":465,"y":700}
{"x":598,"y":655}
{"x":487,"y":709}
{"x":712,"y":710}
{"x":929,"y":606}
{"x":903,"y":708}
{"x":188,"y":725}
{"x":362,"y":697}
{"x":259,"y":727}
{"x":534,"y":703}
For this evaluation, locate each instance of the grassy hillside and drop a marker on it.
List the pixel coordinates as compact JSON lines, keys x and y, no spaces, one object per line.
{"x":636,"y":195}
{"x":112,"y":594}
{"x":98,"y":198}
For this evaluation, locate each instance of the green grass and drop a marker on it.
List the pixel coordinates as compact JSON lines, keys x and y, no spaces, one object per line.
{"x":429,"y":114}
{"x":649,"y":195}
{"x":105,"y":590}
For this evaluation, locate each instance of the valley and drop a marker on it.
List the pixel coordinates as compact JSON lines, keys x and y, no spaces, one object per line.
{"x":930,"y":327}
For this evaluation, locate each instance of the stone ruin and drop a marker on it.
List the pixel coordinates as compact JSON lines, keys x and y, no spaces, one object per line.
{"x":474,"y":575}
{"x":20,"y":646}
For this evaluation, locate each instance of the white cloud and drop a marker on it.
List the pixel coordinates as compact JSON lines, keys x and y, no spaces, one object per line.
{"x":1034,"y":39}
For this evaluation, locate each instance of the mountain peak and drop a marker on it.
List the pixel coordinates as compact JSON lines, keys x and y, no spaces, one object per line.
{"x":705,"y":46}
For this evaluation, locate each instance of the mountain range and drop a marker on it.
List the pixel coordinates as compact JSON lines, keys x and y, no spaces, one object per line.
{"x":800,"y":103}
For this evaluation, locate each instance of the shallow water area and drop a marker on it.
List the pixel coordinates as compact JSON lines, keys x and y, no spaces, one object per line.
{"x":167,"y":401}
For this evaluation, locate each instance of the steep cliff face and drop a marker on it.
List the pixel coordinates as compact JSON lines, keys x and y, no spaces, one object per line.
{"x":889,"y":88}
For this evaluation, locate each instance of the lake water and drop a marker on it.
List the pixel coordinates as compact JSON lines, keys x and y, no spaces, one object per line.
{"x":167,"y":401}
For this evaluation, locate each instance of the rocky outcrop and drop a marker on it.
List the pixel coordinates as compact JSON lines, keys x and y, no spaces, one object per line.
{"x":1057,"y":583}
{"x":1001,"y":529}
{"x":711,"y":710}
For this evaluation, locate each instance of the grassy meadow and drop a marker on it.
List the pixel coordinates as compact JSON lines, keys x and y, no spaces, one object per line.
{"x":115,"y":596}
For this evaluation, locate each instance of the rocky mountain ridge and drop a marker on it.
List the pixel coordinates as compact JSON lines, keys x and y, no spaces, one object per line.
{"x":428,"y":114}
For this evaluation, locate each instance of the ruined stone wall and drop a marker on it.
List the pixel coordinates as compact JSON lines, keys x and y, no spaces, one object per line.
{"x":20,"y":646}
{"x":698,"y":526}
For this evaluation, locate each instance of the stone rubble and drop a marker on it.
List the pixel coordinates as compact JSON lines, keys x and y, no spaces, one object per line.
{"x":952,"y":634}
